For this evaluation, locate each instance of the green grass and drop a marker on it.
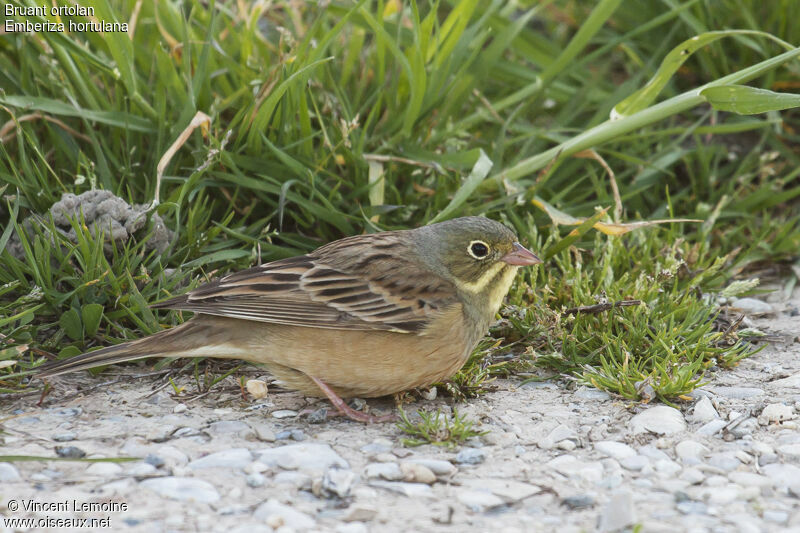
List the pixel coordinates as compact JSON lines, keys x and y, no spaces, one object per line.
{"x":437,"y":429}
{"x":378,"y":115}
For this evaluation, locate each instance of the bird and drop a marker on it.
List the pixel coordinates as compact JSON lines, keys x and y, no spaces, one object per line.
{"x":364,"y":316}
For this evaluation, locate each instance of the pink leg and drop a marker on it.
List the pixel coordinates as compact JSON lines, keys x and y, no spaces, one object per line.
{"x":345,"y":409}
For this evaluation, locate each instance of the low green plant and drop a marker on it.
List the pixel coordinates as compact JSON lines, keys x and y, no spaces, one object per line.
{"x":574,"y":317}
{"x":436,"y":428}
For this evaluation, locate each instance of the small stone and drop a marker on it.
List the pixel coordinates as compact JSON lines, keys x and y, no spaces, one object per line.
{"x":660,"y":420}
{"x":783,"y":475}
{"x":284,"y":413}
{"x":387,"y":471}
{"x":571,"y":467}
{"x":692,"y":476}
{"x":412,"y":490}
{"x":46,"y":475}
{"x":744,"y":457}
{"x":263,"y":432}
{"x":711,"y":428}
{"x":141,"y":470}
{"x":704,"y":411}
{"x":377,"y":446}
{"x":558,"y":434}
{"x":585,"y":393}
{"x":67,"y":412}
{"x":667,"y":467}
{"x":291,"y":434}
{"x":182,"y":489}
{"x":777,"y":517}
{"x":478,"y":501}
{"x":255,"y":480}
{"x":338,"y":482}
{"x":256,"y":466}
{"x":471,"y":456}
{"x":690,"y":449}
{"x":417,"y":473}
{"x":635,"y":463}
{"x":304,"y":456}
{"x":230,"y":427}
{"x":104,"y":469}
{"x":295,"y":479}
{"x":508,"y":490}
{"x":64,"y":437}
{"x":760,"y":448}
{"x":71,"y":452}
{"x":792,"y":381}
{"x":430,"y":394}
{"x":360,"y":513}
{"x":181,"y":433}
{"x":567,"y":445}
{"x":437,"y":466}
{"x":180,"y":408}
{"x":579,"y":501}
{"x":739,"y":393}
{"x":154,"y":460}
{"x":752,"y":306}
{"x":692,"y":507}
{"x":359,"y":404}
{"x":619,"y":512}
{"x":745,"y":427}
{"x":8,"y":472}
{"x":257,"y":388}
{"x":749,"y":479}
{"x":791,"y":451}
{"x":767,"y":458}
{"x":726,"y":461}
{"x":774,"y":413}
{"x":318,"y":416}
{"x":234,"y":458}
{"x":653,"y":453}
{"x":401,"y":452}
{"x":278,"y":515}
{"x":616,"y":450}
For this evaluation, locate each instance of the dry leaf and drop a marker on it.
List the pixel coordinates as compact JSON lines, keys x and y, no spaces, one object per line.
{"x":609,"y":228}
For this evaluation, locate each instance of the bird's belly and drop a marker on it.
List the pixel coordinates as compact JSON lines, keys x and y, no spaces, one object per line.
{"x":364,"y":363}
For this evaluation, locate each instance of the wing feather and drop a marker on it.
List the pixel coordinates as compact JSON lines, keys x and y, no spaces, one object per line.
{"x":364,"y":282}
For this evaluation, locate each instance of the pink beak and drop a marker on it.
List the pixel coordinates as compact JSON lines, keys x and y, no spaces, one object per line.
{"x":520,"y":256}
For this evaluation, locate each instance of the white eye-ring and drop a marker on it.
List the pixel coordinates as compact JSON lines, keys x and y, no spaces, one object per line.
{"x":478,"y":249}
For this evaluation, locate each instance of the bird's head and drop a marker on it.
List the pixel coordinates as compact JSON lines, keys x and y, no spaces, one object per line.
{"x":476,"y":253}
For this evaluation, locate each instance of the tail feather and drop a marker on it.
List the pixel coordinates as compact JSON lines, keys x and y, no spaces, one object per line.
{"x":190,"y":339}
{"x":106,"y":356}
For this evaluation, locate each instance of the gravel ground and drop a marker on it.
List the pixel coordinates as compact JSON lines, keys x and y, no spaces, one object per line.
{"x":555,"y":459}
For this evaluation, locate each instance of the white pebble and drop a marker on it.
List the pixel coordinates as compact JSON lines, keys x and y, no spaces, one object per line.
{"x":775,"y":412}
{"x":257,"y":388}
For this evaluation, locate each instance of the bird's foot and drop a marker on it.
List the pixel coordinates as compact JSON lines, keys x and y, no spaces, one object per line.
{"x":348,"y":411}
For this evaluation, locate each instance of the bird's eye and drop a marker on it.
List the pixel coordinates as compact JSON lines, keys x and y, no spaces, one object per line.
{"x":478,"y":249}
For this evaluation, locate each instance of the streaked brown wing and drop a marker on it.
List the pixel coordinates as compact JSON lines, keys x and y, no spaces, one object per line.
{"x":365,"y":282}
